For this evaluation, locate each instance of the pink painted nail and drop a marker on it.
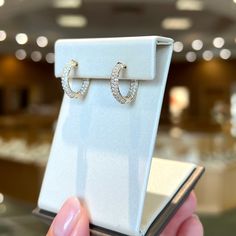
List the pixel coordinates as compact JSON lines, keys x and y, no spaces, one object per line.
{"x":67,"y":217}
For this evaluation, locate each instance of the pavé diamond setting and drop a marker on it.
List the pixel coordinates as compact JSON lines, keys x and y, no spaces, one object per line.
{"x":65,"y":81}
{"x":131,"y":95}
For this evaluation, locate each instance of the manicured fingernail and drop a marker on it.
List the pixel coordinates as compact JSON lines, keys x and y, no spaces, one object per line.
{"x":196,"y":216}
{"x":67,"y":217}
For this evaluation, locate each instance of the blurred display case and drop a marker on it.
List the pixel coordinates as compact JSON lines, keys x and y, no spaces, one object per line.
{"x":216,"y":191}
{"x":25,"y":140}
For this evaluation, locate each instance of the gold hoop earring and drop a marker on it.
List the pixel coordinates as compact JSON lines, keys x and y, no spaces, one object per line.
{"x":131,"y":95}
{"x":65,"y":81}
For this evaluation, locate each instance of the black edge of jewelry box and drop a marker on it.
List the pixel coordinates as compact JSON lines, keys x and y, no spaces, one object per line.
{"x":161,"y":220}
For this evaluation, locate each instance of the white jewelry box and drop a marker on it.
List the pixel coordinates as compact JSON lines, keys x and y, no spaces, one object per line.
{"x":102,"y":151}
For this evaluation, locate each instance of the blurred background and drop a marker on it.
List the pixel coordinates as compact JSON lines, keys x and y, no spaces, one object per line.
{"x":198,"y":119}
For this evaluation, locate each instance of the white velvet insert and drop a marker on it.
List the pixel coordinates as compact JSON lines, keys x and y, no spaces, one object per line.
{"x":166,"y":177}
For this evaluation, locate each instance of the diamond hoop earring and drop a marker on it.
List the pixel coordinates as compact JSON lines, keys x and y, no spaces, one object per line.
{"x":65,"y":81}
{"x":115,"y":86}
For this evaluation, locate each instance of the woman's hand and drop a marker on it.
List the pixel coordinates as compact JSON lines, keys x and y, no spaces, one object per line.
{"x":72,"y":220}
{"x":185,"y":222}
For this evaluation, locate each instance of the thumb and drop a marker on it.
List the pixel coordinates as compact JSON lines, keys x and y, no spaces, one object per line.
{"x":71,"y":220}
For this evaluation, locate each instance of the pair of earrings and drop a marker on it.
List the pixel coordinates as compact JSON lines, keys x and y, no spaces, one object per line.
{"x":114,"y":83}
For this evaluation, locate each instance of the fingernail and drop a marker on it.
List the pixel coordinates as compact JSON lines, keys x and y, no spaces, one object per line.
{"x":196,"y":216}
{"x":67,"y":217}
